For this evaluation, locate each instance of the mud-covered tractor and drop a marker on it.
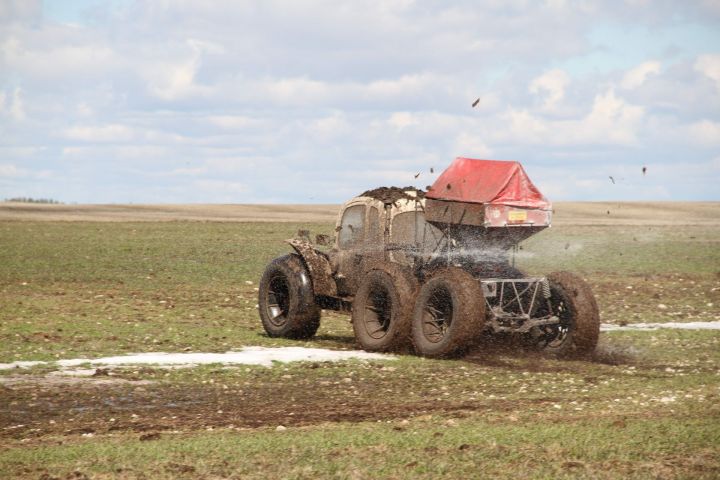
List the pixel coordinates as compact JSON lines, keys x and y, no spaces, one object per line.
{"x":434,"y":270}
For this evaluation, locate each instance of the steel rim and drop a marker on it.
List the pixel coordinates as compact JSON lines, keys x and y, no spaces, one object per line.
{"x":437,"y":315}
{"x":278,"y":300}
{"x":378,"y":312}
{"x":553,"y":336}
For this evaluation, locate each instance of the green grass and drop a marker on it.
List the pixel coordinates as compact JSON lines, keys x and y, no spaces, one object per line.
{"x":625,"y":250}
{"x":93,"y":289}
{"x":424,"y":448}
{"x":646,"y":408}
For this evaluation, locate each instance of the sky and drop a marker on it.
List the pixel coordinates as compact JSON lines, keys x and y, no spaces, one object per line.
{"x":190,"y":101}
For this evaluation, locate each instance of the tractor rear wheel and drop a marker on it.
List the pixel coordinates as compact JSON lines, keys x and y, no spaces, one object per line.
{"x":449,"y":314}
{"x":572,"y":300}
{"x":382,"y":309}
{"x":286,"y":299}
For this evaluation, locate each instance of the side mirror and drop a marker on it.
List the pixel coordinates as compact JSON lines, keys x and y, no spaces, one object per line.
{"x":322,"y":239}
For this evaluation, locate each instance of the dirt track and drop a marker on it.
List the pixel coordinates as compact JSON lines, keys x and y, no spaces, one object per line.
{"x":35,"y":409}
{"x":566,"y":213}
{"x":165,"y":213}
{"x":38,"y":405}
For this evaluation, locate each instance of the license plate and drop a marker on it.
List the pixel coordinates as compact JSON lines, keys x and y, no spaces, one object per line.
{"x":517,"y":216}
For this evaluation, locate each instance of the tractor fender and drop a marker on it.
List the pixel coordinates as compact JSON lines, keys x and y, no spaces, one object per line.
{"x":318,"y":266}
{"x":378,"y":264}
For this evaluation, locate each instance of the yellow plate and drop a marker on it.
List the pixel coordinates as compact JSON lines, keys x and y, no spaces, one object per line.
{"x":518,"y":216}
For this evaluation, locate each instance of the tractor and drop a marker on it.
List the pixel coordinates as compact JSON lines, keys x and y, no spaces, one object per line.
{"x":431,"y":271}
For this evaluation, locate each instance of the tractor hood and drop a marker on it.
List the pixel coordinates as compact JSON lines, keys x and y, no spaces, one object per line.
{"x":490,"y":182}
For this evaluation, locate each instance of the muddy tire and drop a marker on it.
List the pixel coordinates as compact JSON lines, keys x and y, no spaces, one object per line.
{"x":577,"y":334}
{"x":449,"y":314}
{"x":286,"y":299}
{"x":382,"y":309}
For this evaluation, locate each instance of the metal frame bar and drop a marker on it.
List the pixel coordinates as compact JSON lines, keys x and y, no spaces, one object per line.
{"x":503,"y":321}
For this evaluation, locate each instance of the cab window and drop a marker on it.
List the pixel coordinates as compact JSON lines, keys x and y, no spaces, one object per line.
{"x":374,"y":233}
{"x":352,"y":227}
{"x":411,"y":228}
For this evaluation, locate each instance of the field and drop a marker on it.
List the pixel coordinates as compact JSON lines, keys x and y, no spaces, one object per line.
{"x":91,"y":281}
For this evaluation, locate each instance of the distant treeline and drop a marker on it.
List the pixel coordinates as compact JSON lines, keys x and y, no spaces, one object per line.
{"x":32,"y":200}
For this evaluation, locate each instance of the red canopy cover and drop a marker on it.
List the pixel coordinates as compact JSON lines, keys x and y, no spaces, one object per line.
{"x":487,"y":181}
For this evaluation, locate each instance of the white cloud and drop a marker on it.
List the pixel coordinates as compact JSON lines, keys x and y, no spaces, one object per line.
{"x":305,"y":91}
{"x":612,"y":119}
{"x":712,"y":6}
{"x":552,"y":83}
{"x":19,"y":9}
{"x":472,"y":146}
{"x":292,"y":91}
{"x":709,"y":65}
{"x":238,"y":165}
{"x":402,"y":120}
{"x":84,"y":109}
{"x":297,"y":100}
{"x":139,"y":152}
{"x":233,"y":122}
{"x":102,"y":133}
{"x":17,"y":109}
{"x":12,"y":105}
{"x":224,"y":190}
{"x":329,"y":127}
{"x":54,"y":61}
{"x":8,"y":170}
{"x":525,"y":127}
{"x":637,"y":76}
{"x":406,"y":85}
{"x":21,"y":152}
{"x":705,"y":132}
{"x":189,"y":171}
{"x":174,"y":80}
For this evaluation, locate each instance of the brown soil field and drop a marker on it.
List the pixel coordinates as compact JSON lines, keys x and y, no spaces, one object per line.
{"x":565,"y":213}
{"x":40,"y":405}
{"x":165,"y":213}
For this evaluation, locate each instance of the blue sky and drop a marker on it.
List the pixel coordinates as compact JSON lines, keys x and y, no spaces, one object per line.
{"x":313,"y":102}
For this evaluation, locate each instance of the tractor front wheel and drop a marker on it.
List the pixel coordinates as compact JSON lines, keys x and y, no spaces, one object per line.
{"x":286,"y":299}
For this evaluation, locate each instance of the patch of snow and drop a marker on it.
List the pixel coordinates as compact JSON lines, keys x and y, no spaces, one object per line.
{"x":247,"y":356}
{"x":79,"y":372}
{"x":608,"y":327}
{"x":19,"y":364}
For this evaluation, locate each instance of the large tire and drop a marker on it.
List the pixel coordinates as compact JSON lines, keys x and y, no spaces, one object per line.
{"x":286,"y":299}
{"x":382,"y":309}
{"x":449,"y":314}
{"x":572,"y":300}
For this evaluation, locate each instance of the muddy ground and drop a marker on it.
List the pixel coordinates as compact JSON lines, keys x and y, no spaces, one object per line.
{"x":88,"y":290}
{"x":144,"y":401}
{"x":35,"y":407}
